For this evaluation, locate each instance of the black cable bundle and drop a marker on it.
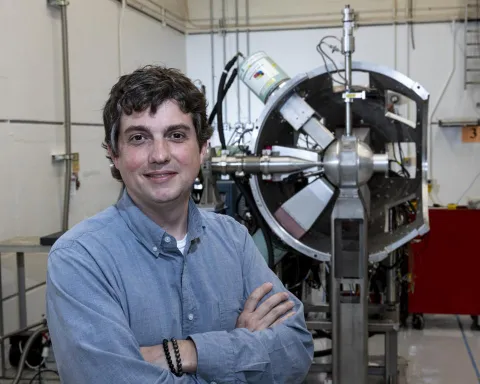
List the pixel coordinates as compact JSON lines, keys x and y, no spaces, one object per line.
{"x":221,"y":93}
{"x":227,"y":87}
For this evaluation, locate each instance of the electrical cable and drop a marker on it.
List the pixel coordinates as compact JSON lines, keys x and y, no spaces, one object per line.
{"x":213,"y":114}
{"x":28,"y":346}
{"x":20,"y":348}
{"x":42,"y":371}
{"x":468,"y":188}
{"x":221,"y":93}
{"x":324,"y":54}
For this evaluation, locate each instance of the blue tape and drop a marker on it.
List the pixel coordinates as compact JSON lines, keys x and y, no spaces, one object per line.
{"x":465,"y":341}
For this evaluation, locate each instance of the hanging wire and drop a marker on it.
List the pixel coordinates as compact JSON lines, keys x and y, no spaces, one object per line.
{"x":326,"y":56}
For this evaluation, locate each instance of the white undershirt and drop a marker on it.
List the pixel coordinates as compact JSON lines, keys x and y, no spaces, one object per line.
{"x":181,"y":244}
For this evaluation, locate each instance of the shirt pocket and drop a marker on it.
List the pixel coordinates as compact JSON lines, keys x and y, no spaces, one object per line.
{"x":230,"y":310}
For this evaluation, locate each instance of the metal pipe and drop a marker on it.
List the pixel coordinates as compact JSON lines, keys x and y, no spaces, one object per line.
{"x":212,"y":52}
{"x":391,"y":293}
{"x":120,"y":36}
{"x":247,"y":16}
{"x":48,"y":122}
{"x":395,"y":45}
{"x":305,"y":26}
{"x":321,"y":17}
{"x":348,"y":47}
{"x":264,"y":164}
{"x":224,"y":34}
{"x":348,"y":102}
{"x":442,"y":93}
{"x":408,"y":66}
{"x":18,"y":331}
{"x":391,"y":274}
{"x":154,"y":15}
{"x":22,"y":297}
{"x":67,"y":116}
{"x":465,"y":27}
{"x":2,"y":326}
{"x":237,"y":37}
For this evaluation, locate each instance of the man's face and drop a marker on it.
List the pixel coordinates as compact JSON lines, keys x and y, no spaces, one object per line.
{"x":158,"y":155}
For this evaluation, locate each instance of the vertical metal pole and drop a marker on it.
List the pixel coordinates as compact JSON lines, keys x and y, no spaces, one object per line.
{"x":67,"y":113}
{"x":391,"y":298}
{"x":2,"y":327}
{"x":391,"y":337}
{"x":224,"y":33}
{"x":391,"y":356}
{"x":348,"y":102}
{"x":247,"y":15}
{"x":465,"y":53}
{"x":237,"y":38}
{"x":348,"y":47}
{"x":22,"y":299}
{"x":212,"y":51}
{"x":349,"y":291}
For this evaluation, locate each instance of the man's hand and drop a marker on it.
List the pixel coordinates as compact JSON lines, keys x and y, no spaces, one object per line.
{"x":188,"y":354}
{"x":268,"y":313}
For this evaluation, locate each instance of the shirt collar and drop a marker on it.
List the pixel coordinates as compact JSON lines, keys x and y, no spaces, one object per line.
{"x":150,"y":234}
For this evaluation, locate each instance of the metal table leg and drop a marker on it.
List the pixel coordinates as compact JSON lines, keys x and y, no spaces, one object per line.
{"x":391,"y":357}
{"x":2,"y":328}
{"x":22,"y":296}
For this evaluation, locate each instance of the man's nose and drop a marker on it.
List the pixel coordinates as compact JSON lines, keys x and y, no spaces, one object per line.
{"x":160,"y":152}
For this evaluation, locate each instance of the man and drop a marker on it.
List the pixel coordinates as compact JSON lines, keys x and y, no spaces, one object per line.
{"x":153,"y":290}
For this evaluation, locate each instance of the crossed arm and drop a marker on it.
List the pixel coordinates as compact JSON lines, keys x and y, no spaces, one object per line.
{"x":255,"y":317}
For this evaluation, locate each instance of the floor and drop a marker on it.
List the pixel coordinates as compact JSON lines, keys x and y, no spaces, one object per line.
{"x":441,"y":353}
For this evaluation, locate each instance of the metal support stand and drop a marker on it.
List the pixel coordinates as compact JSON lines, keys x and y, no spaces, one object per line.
{"x":349,"y":289}
{"x":391,"y":357}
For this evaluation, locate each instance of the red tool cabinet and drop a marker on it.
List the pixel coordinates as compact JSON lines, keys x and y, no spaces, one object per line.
{"x":445,"y":264}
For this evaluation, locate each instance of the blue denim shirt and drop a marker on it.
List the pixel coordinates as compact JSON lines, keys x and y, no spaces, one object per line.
{"x":117,"y":282}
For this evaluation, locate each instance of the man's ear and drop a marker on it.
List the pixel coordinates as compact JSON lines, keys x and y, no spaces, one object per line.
{"x":112,"y":156}
{"x":204,"y":152}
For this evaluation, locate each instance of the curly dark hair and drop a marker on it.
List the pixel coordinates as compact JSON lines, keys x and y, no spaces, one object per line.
{"x":148,"y":88}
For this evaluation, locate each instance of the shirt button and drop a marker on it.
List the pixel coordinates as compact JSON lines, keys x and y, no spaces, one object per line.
{"x":190,"y":316}
{"x":155,"y":249}
{"x":167,"y":239}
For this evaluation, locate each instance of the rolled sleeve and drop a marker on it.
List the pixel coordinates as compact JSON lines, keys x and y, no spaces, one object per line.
{"x":216,"y":356}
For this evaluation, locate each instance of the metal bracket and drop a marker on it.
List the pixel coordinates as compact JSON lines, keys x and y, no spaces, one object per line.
{"x":62,"y":157}
{"x":354,"y":95}
{"x":222,"y":25}
{"x":58,"y":3}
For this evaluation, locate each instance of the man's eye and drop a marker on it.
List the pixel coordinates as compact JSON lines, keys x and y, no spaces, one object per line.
{"x":136,"y":138}
{"x":178,"y":136}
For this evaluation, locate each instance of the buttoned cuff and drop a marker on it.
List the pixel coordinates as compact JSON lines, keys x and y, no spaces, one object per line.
{"x":215,"y":357}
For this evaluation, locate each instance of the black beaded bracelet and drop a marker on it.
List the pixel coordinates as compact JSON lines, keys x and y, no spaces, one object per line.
{"x":177,"y":356}
{"x":167,"y":355}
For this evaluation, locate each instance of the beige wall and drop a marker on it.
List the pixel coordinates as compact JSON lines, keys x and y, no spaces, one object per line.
{"x":31,"y":98}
